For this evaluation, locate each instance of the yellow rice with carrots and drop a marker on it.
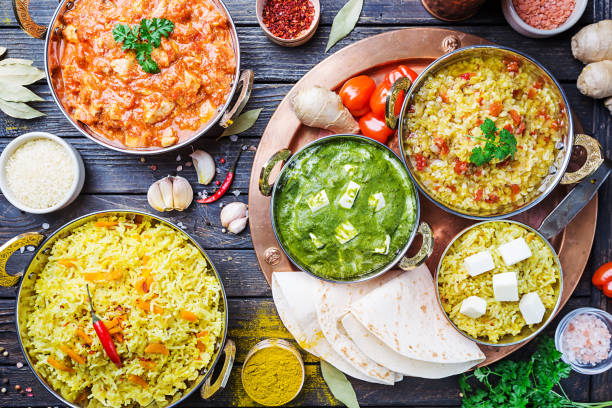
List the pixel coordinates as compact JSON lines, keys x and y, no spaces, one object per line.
{"x":154,"y":291}
{"x":443,"y":127}
{"x":539,"y":273}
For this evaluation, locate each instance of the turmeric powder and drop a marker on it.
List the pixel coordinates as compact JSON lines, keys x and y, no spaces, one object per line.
{"x":272,"y":376}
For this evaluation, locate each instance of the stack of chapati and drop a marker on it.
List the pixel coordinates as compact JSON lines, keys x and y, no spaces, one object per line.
{"x":376,"y":331}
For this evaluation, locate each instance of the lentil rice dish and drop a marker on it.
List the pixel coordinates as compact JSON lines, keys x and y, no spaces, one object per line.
{"x":539,"y":273}
{"x":443,"y":128}
{"x":154,"y":291}
{"x":101,"y":85}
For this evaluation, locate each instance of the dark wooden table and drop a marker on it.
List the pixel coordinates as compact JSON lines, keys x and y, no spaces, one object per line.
{"x":120,"y":181}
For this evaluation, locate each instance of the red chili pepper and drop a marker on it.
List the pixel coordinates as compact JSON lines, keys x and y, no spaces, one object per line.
{"x":104,"y":335}
{"x":225,"y":186}
{"x":603,"y":275}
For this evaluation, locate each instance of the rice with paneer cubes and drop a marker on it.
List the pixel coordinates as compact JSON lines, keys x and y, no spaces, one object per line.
{"x":155,"y":292}
{"x":444,"y":127}
{"x":538,"y":273}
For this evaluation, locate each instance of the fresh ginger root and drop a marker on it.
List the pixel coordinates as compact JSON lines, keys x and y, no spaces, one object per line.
{"x":594,"y":42}
{"x":319,"y":107}
{"x":595,"y":80}
{"x":608,"y":103}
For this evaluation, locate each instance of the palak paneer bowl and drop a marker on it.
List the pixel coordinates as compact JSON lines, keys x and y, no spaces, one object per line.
{"x":344,"y":209}
{"x":486,"y":132}
{"x":153,"y":288}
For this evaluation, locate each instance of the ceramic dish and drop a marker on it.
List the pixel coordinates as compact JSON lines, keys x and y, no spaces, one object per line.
{"x":77,"y":165}
{"x":32,"y":272}
{"x":302,"y":38}
{"x":529,"y":31}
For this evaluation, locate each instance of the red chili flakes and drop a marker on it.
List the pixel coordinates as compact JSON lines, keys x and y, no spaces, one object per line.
{"x":478,"y":195}
{"x":467,"y":75}
{"x":288,"y":18}
{"x":544,"y":14}
{"x":421,"y":161}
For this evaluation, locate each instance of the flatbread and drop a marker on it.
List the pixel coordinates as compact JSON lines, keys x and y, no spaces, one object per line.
{"x":332,"y":302}
{"x":404,"y":315}
{"x":293,"y":294}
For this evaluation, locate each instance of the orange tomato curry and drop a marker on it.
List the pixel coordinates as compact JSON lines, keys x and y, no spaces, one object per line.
{"x":104,"y":87}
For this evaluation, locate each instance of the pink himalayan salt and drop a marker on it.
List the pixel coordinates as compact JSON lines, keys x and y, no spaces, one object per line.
{"x":544,"y":14}
{"x":586,"y":340}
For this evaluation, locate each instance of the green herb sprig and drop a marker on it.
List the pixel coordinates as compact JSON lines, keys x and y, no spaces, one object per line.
{"x":532,"y":383}
{"x":496,"y":146}
{"x":143,"y":38}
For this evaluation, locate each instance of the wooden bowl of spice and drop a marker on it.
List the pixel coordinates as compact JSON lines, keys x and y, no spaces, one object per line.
{"x":273,"y":372}
{"x":542,"y":18}
{"x":288,"y":22}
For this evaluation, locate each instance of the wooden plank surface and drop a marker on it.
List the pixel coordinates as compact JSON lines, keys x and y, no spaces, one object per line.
{"x":120,"y":181}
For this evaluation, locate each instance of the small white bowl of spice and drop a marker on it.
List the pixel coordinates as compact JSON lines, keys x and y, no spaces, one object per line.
{"x":542,"y":18}
{"x":584,"y":337}
{"x":40,"y":173}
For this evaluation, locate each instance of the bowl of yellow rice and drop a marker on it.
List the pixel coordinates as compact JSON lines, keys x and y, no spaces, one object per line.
{"x":462,"y":101}
{"x":153,"y":287}
{"x":503,"y":323}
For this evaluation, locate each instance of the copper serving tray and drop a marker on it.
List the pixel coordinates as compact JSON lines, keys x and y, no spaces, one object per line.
{"x":415,"y":47}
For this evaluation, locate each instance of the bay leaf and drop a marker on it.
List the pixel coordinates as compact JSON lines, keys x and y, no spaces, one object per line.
{"x":17,"y":93}
{"x":20,"y":74}
{"x":344,"y":22}
{"x":13,"y":61}
{"x":19,"y":110}
{"x":244,"y":122}
{"x":2,"y":51}
{"x":338,"y":384}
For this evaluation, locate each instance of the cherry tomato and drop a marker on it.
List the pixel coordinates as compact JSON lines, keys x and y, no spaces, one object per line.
{"x":378,"y":101}
{"x":359,"y":113}
{"x":356,"y":92}
{"x":374,"y":127}
{"x":602,"y":275}
{"x":607,"y":289}
{"x":401,"y":71}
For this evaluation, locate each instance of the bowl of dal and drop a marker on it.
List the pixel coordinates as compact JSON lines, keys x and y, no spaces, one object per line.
{"x":344,"y":209}
{"x":467,"y":102}
{"x":499,"y":283}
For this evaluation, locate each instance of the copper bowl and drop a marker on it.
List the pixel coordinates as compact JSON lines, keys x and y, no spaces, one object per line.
{"x":420,"y":227}
{"x":226,"y":114}
{"x":563,"y":149}
{"x":224,"y":346}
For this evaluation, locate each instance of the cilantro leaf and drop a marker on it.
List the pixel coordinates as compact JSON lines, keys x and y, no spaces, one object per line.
{"x":478,"y":156}
{"x":143,"y":38}
{"x":496,"y":147}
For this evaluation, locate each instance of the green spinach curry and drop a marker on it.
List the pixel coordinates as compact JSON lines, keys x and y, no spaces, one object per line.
{"x":344,"y":208}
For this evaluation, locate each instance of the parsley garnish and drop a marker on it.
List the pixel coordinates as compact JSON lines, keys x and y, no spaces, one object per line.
{"x":496,"y":147}
{"x":143,"y":39}
{"x":532,"y":383}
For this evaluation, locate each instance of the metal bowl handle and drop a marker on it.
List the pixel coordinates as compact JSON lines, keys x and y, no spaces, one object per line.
{"x":427,"y":246}
{"x":209,"y":390}
{"x":9,"y":248}
{"x":402,"y":84}
{"x":245,"y":83}
{"x":593,"y":160}
{"x":264,"y":177}
{"x":21,"y":8}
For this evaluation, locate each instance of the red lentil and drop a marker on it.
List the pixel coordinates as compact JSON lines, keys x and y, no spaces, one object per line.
{"x":288,"y":18}
{"x":544,"y":14}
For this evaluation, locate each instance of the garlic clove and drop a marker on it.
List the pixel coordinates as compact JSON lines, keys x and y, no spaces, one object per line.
{"x":233,"y":211}
{"x":155,"y":198}
{"x":204,"y":165}
{"x":182,"y":193}
{"x":165,"y":187}
{"x":236,"y":226}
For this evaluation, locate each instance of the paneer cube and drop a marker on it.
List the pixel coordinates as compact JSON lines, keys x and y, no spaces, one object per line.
{"x":377,"y":200}
{"x":479,"y":263}
{"x":382,"y":246}
{"x":316,"y":241}
{"x":317,"y":201}
{"x":532,"y":308}
{"x":348,"y":198}
{"x":514,"y":251}
{"x":505,"y":287}
{"x":473,"y":307}
{"x":345,"y":232}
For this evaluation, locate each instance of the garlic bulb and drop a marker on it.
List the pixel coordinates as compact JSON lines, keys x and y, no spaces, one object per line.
{"x":204,"y":165}
{"x":170,"y":193}
{"x":234,"y":217}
